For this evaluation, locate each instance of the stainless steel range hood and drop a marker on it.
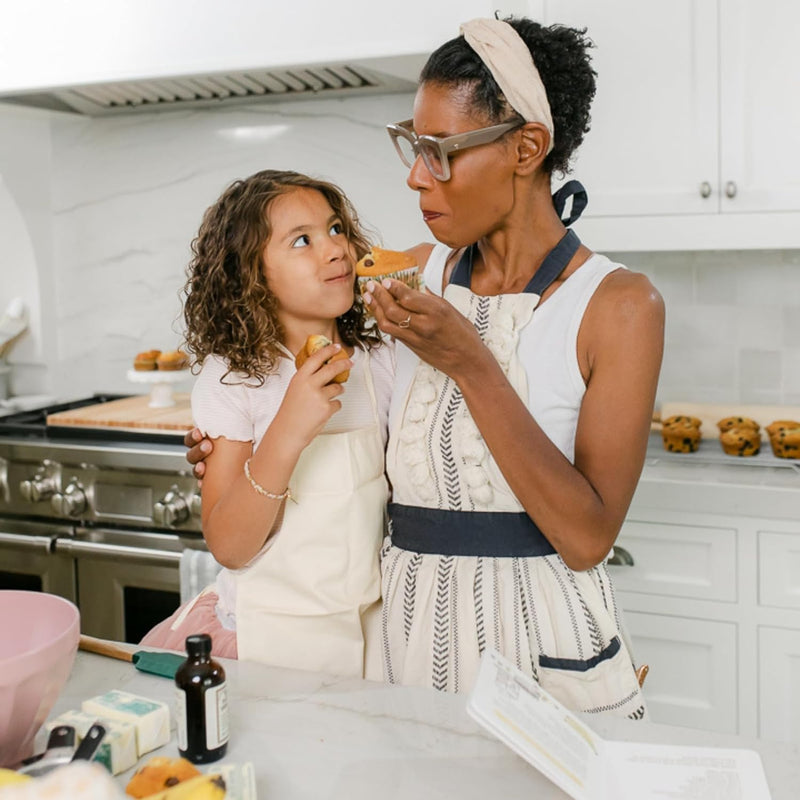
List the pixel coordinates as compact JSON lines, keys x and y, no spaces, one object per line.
{"x":210,"y":90}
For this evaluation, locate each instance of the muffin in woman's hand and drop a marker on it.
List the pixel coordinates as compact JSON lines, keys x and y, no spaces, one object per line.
{"x":146,"y":361}
{"x":741,"y":441}
{"x":379,"y":264}
{"x":681,"y":436}
{"x":172,"y":360}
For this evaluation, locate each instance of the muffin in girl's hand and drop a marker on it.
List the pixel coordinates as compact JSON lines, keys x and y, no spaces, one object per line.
{"x":172,"y":360}
{"x":317,"y":342}
{"x":379,"y":264}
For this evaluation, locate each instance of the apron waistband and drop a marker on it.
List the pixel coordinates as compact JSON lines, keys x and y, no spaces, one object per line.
{"x":497,"y":534}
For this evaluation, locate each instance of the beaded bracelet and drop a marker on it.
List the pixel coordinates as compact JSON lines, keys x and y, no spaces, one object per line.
{"x":261,"y":490}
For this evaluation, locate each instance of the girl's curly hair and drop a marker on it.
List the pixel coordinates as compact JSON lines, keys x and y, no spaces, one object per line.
{"x":561,"y":56}
{"x":229,"y":309}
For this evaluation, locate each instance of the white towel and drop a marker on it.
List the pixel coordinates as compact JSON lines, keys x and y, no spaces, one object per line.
{"x":197,"y":570}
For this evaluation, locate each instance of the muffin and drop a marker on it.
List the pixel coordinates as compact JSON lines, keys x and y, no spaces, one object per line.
{"x":146,"y":361}
{"x":172,"y":360}
{"x":785,"y":439}
{"x":741,"y":441}
{"x":317,"y":342}
{"x":379,"y":264}
{"x":695,"y":421}
{"x":681,"y":437}
{"x":160,"y":773}
{"x":737,"y":422}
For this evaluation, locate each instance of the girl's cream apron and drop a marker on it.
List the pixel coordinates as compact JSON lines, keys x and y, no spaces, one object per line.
{"x":311,"y":599}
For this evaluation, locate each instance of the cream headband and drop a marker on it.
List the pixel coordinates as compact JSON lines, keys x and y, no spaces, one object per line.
{"x":511,"y":64}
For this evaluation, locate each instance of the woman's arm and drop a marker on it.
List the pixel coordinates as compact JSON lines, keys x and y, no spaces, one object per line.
{"x":580,"y":508}
{"x":237,"y":520}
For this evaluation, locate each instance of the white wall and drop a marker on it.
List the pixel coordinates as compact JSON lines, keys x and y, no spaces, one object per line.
{"x":128,"y":194}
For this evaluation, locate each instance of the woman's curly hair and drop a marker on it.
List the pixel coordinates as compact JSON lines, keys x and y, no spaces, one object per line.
{"x":561,"y":56}
{"x":229,"y":309}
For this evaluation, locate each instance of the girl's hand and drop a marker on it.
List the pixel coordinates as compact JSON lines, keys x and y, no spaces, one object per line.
{"x":428,"y":325}
{"x":310,"y":399}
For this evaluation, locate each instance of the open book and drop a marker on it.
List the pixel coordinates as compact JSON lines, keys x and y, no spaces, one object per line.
{"x":587,"y":767}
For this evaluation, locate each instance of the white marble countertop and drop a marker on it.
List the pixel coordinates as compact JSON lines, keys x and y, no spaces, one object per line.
{"x":311,"y":736}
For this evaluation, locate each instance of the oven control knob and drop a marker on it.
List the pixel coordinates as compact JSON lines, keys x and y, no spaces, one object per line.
{"x":71,"y":502}
{"x":38,"y":488}
{"x":197,"y":505}
{"x":171,"y":509}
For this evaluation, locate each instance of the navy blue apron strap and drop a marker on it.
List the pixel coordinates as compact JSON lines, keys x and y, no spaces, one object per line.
{"x":575,"y":190}
{"x":554,"y":263}
{"x":498,"y":534}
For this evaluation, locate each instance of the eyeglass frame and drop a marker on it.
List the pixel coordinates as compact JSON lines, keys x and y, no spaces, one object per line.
{"x":445,"y":145}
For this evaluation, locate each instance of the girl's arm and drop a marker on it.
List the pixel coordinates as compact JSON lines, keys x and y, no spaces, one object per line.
{"x":237,"y":519}
{"x":580,"y":508}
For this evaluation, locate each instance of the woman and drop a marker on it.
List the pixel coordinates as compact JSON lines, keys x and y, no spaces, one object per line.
{"x":517,"y":436}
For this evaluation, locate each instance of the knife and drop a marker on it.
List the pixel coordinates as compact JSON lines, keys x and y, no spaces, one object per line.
{"x":154,"y":663}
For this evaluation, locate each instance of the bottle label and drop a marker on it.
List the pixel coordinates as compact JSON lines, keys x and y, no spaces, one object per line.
{"x":180,"y":718}
{"x":216,"y":716}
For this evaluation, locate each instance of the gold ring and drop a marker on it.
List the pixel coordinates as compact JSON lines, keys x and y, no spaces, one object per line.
{"x":405,"y":323}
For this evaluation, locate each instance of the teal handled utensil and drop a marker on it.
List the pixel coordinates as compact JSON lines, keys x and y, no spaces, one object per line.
{"x":155,"y":663}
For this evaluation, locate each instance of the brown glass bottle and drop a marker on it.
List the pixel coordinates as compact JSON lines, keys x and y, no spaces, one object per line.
{"x":201,"y":703}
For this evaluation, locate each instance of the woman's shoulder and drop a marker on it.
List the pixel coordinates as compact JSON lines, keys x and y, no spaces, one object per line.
{"x":624,"y":291}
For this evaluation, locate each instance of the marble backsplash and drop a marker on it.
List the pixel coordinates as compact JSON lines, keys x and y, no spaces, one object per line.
{"x":113,"y":203}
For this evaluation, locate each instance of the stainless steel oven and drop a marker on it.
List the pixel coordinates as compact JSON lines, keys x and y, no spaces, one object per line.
{"x":28,"y":559}
{"x":100,"y":518}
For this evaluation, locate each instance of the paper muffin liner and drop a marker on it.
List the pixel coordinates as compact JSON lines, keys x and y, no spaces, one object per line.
{"x":410,"y":277}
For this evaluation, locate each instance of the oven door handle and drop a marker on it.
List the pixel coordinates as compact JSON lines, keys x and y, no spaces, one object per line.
{"x":24,"y":542}
{"x":142,"y":555}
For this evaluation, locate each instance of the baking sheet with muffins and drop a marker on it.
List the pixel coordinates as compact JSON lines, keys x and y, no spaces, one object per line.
{"x":740,"y":429}
{"x":131,"y":413}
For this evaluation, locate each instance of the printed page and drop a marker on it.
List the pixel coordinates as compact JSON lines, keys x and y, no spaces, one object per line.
{"x":537,"y":727}
{"x":668,"y":772}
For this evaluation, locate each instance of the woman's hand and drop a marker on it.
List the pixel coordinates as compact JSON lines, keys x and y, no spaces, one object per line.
{"x":429,"y":326}
{"x":200,"y":447}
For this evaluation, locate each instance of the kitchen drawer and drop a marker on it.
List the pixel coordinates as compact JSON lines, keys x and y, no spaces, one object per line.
{"x":779,"y":684}
{"x":694,"y":561}
{"x":692,"y":679}
{"x":779,"y":569}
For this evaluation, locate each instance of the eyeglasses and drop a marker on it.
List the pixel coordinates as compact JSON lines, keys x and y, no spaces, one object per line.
{"x":434,"y":150}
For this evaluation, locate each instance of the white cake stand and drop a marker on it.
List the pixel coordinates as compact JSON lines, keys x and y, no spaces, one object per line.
{"x":161,"y":382}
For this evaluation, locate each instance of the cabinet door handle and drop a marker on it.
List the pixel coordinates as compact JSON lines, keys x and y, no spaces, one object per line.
{"x":705,"y":189}
{"x":621,"y":557}
{"x":730,"y":189}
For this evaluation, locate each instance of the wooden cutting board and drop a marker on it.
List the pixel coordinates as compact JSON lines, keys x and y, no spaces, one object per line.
{"x":711,"y":413}
{"x":130,"y":412}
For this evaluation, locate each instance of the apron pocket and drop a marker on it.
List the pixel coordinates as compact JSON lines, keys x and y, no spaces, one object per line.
{"x":604,"y":683}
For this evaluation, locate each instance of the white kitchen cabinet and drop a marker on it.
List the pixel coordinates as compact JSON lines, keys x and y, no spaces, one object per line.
{"x":693,"y":139}
{"x":779,"y":683}
{"x":712,"y":603}
{"x":87,"y":42}
{"x":690,"y":682}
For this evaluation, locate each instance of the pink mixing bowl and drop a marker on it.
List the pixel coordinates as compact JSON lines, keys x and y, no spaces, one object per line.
{"x":38,"y":640}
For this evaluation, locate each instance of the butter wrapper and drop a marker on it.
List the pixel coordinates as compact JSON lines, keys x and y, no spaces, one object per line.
{"x":150,"y":718}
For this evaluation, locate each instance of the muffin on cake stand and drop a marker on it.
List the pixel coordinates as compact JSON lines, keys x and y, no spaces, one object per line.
{"x":161,"y":383}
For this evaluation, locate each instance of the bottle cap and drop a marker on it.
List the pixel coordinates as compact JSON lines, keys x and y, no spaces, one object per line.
{"x":198,"y":644}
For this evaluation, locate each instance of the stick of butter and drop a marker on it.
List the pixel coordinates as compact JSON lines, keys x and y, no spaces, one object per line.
{"x":149,"y":717}
{"x":117,"y":751}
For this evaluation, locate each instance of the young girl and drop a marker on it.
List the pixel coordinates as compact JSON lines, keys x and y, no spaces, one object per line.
{"x":294,"y":493}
